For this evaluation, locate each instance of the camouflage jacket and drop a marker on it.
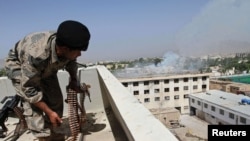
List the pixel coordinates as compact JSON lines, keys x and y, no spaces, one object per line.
{"x":34,"y":58}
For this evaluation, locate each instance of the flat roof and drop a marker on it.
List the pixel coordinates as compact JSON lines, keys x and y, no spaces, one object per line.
{"x":226,"y":100}
{"x":162,"y":77}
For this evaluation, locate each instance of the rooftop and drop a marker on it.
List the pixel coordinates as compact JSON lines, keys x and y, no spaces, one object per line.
{"x":225,"y":99}
{"x":113,"y":113}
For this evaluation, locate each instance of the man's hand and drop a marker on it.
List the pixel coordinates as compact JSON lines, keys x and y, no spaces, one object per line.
{"x":53,"y":116}
{"x":55,"y":119}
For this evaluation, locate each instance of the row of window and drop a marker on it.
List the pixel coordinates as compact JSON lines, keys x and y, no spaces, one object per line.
{"x":176,"y":89}
{"x":165,"y":98}
{"x":221,"y":111}
{"x":157,"y":82}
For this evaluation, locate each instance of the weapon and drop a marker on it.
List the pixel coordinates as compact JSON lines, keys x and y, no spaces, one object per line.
{"x":85,"y":90}
{"x":12,"y":106}
{"x":75,"y":121}
{"x":84,"y":65}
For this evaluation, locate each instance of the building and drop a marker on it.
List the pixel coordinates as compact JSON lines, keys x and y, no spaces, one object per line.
{"x":219,"y":107}
{"x":231,"y":87}
{"x":170,"y":91}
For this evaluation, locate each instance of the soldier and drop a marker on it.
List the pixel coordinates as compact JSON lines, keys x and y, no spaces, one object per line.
{"x":32,"y":66}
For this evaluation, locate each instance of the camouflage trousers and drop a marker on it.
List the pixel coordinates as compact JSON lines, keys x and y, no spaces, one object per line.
{"x":39,"y":123}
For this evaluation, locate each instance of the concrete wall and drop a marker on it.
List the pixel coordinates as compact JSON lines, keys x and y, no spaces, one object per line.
{"x":137,"y":121}
{"x":6,"y":88}
{"x":90,"y":77}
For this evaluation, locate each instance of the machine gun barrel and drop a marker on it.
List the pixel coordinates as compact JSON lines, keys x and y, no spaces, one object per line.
{"x":5,"y":98}
{"x":4,"y":112}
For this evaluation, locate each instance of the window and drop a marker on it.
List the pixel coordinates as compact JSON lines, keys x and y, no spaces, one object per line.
{"x":185,"y":88}
{"x":125,"y":84}
{"x":205,"y":105}
{"x":204,"y":86}
{"x":193,"y":100}
{"x":136,"y":92}
{"x":135,"y":84}
{"x":195,"y":87}
{"x":176,"y":89}
{"x":185,"y":79}
{"x":195,"y":79}
{"x":176,"y":97}
{"x":166,"y":81}
{"x":243,"y":120}
{"x":221,"y":112}
{"x":166,"y":89}
{"x":185,"y":96}
{"x":231,"y":115}
{"x":157,"y":90}
{"x":146,"y":91}
{"x":176,"y":80}
{"x":167,"y":97}
{"x":146,"y":100}
{"x":204,"y":78}
{"x":146,"y":83}
{"x":156,"y":82}
{"x":157,"y":98}
{"x":198,"y":102}
{"x":213,"y":108}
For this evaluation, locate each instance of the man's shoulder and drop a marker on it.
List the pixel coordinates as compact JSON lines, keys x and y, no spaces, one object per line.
{"x":36,"y":44}
{"x":38,"y":35}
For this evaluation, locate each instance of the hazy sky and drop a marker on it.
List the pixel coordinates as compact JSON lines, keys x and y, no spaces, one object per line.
{"x":134,"y":28}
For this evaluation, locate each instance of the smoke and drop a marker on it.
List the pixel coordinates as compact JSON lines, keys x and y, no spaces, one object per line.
{"x":172,"y":63}
{"x":222,"y":27}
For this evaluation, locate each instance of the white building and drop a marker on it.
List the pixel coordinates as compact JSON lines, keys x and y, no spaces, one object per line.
{"x":219,"y":107}
{"x":159,"y":92}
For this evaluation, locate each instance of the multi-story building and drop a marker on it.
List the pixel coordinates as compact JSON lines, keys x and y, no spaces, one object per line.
{"x":219,"y":107}
{"x":161,"y":92}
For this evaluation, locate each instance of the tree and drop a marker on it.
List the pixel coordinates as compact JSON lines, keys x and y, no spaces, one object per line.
{"x":2,"y":72}
{"x":157,"y":61}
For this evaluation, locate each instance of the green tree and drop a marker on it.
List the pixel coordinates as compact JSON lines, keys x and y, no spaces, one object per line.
{"x":2,"y":72}
{"x":157,"y":61}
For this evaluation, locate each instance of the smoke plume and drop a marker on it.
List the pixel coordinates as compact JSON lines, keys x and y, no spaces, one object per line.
{"x":222,"y":27}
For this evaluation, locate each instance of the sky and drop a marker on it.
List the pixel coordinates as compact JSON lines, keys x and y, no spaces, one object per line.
{"x":129,"y":29}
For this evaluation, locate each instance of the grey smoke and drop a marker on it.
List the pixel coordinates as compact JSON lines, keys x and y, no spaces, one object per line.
{"x":223,"y":26}
{"x":172,"y":63}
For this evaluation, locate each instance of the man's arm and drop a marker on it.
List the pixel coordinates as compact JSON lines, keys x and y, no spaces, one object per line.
{"x":53,"y":116}
{"x":72,"y":68}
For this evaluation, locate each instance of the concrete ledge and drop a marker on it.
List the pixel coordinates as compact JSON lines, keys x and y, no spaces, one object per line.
{"x":138,"y":123}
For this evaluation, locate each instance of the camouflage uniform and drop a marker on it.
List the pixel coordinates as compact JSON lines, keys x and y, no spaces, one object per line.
{"x":32,"y":65}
